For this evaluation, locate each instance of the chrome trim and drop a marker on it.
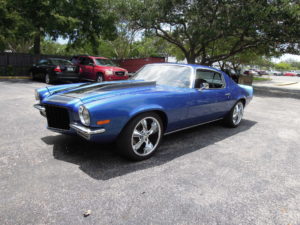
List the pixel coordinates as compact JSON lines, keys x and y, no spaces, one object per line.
{"x":41,"y":108}
{"x":85,"y":130}
{"x":185,"y":128}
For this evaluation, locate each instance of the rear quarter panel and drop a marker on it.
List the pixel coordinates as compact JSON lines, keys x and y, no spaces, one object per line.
{"x":239,"y":91}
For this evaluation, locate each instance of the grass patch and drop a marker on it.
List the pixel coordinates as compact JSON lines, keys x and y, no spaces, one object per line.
{"x":261,"y":79}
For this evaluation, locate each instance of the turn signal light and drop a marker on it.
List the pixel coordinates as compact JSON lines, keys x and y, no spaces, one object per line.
{"x":101,"y":122}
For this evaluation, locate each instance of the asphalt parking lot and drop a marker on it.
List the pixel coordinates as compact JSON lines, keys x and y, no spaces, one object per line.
{"x":205,"y":175}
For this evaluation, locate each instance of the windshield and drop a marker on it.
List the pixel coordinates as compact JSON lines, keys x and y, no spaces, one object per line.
{"x":172,"y":75}
{"x":104,"y":62}
{"x":58,"y":62}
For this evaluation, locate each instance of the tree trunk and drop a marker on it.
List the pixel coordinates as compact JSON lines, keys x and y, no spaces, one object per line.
{"x":37,"y":43}
{"x":191,"y":59}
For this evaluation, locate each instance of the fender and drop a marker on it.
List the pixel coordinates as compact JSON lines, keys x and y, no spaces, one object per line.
{"x":146,"y":108}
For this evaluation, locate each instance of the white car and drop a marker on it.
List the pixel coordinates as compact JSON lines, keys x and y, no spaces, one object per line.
{"x":276,"y":73}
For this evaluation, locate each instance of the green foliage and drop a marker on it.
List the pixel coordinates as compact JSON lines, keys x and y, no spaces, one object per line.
{"x":295,"y":65}
{"x":52,"y":48}
{"x":261,"y":79}
{"x":79,"y":21}
{"x":207,"y":31}
{"x":213,"y":30}
{"x":12,"y":26}
{"x":284,"y":66}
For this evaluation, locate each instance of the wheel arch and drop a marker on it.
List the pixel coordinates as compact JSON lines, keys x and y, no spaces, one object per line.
{"x":99,"y":73}
{"x":161,"y":113}
{"x":243,"y":100}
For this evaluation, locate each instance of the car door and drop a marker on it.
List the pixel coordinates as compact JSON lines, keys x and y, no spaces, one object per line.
{"x":87,"y":66}
{"x":212,"y":103}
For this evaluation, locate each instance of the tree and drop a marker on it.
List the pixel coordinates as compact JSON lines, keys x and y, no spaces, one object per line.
{"x":251,"y":57}
{"x":78,"y":20}
{"x":294,"y":64}
{"x":283,"y":66}
{"x":197,"y":28}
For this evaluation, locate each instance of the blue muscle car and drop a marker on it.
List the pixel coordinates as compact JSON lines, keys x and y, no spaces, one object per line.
{"x":158,"y":100}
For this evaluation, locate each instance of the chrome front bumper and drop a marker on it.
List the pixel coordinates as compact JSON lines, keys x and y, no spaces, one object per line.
{"x":83,"y":131}
{"x":41,"y":109}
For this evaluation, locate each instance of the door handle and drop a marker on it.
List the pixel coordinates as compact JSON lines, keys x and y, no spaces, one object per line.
{"x":227,"y":94}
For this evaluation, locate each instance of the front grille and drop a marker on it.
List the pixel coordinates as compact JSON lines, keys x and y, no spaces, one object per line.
{"x":120,"y":73}
{"x":57,"y":117}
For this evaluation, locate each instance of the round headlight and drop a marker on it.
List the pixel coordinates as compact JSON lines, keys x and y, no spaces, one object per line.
{"x":84,"y":115}
{"x":37,"y":95}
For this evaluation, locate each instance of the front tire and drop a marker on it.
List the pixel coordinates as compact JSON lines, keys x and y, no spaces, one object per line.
{"x":234,"y":117}
{"x":100,"y":78}
{"x":141,"y":137}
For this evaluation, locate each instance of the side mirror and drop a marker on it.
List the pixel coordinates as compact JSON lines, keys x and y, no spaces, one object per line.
{"x":91,"y":64}
{"x":204,"y":86}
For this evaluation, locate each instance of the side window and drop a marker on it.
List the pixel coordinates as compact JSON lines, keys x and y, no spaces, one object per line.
{"x":83,"y":61}
{"x":90,"y":61}
{"x":86,"y":61}
{"x":75,"y":60}
{"x":80,"y":60}
{"x":218,"y":82}
{"x":214,"y":79}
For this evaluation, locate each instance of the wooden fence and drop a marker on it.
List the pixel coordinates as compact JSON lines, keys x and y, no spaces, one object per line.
{"x":18,"y":64}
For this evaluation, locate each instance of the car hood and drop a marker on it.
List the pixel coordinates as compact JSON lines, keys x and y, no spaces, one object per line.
{"x":113,"y":68}
{"x":97,"y":91}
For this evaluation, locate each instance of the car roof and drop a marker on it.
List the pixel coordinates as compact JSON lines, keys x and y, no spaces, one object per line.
{"x":196,"y":66}
{"x":89,"y":56}
{"x":98,"y":57}
{"x":58,"y":59}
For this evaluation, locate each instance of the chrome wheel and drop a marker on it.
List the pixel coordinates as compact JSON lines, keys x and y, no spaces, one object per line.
{"x":238,"y":112}
{"x":146,"y":136}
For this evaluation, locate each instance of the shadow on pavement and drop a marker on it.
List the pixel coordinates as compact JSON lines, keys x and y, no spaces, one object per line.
{"x":276,"y":92}
{"x":101,"y":162}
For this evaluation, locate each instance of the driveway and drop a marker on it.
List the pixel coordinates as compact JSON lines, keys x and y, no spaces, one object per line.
{"x":205,"y":175}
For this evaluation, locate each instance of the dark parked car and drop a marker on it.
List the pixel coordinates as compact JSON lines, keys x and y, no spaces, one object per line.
{"x":262,"y":72}
{"x":52,"y":69}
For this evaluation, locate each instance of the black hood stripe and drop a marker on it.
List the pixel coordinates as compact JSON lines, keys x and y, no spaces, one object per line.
{"x":110,"y":86}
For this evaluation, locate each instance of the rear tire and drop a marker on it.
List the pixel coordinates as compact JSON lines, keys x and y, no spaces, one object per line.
{"x":48,"y":79}
{"x":235,"y":116}
{"x":141,"y":137}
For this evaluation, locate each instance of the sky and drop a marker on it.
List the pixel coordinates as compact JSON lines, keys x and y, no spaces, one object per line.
{"x":286,"y":57}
